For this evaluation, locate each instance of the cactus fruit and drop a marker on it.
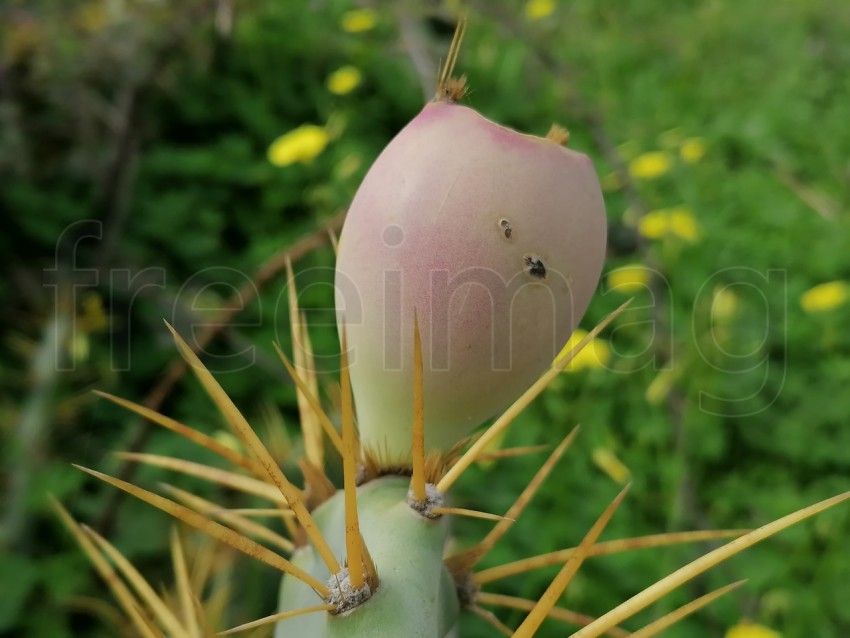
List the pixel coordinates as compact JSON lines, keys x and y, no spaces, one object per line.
{"x":495,"y":239}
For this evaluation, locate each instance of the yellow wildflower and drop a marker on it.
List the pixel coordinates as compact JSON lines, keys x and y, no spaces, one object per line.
{"x":93,"y":317}
{"x":693,"y":150}
{"x":724,"y":304}
{"x":537,"y":9}
{"x":683,"y":224}
{"x":747,"y":629}
{"x":654,"y":225}
{"x":678,"y":221}
{"x":825,"y":296}
{"x":594,"y":355}
{"x":608,"y":462}
{"x":80,"y":346}
{"x":302,"y":144}
{"x":651,"y":165}
{"x":344,"y":80}
{"x":359,"y":20}
{"x":659,"y":388}
{"x":629,"y":278}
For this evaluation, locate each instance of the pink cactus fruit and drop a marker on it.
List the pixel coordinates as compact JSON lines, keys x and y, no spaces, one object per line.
{"x":495,"y":239}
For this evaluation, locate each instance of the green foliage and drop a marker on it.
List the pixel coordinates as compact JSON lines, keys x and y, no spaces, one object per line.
{"x":155,"y":123}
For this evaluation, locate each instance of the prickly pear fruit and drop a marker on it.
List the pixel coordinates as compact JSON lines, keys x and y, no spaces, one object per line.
{"x":495,"y":239}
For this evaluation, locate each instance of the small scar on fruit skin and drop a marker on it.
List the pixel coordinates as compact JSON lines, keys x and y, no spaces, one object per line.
{"x":534,"y":266}
{"x":506,"y":227}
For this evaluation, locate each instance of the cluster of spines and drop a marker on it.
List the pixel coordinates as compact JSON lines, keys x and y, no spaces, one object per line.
{"x":434,"y":473}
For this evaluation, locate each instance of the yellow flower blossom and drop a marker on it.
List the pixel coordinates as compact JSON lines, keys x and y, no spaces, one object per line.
{"x":683,"y":224}
{"x":93,"y":317}
{"x":302,"y":144}
{"x":629,"y":278}
{"x":747,"y":629}
{"x":651,"y":165}
{"x":594,"y":355}
{"x":692,"y":150}
{"x":359,"y":20}
{"x":607,"y":461}
{"x":678,"y":221}
{"x":825,"y":296}
{"x":659,"y":388}
{"x":724,"y":304}
{"x":537,"y":9}
{"x":344,"y":80}
{"x":654,"y":225}
{"x":80,"y":346}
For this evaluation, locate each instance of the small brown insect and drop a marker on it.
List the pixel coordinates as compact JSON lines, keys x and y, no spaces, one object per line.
{"x":506,"y":228}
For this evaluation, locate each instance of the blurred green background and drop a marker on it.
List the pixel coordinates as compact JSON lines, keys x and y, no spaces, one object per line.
{"x":154,"y":155}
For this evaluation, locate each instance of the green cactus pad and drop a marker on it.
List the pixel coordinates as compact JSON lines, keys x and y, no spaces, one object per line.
{"x":416,"y":596}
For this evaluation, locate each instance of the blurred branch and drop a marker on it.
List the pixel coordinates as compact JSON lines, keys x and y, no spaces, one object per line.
{"x":819,"y":202}
{"x":239,"y":301}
